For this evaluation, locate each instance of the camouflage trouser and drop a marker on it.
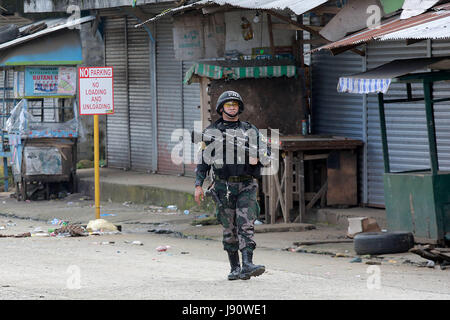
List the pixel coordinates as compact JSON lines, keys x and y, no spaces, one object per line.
{"x":238,"y":214}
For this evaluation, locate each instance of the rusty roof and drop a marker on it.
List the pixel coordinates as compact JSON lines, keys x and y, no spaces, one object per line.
{"x":392,"y":25}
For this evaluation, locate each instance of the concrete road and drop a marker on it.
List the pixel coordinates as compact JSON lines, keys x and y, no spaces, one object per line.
{"x":111,"y":267}
{"x":84,"y":268}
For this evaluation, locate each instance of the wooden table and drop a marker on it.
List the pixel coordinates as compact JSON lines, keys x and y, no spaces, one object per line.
{"x":282,"y":189}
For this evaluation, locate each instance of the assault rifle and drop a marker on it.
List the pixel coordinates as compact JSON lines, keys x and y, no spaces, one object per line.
{"x":235,"y":141}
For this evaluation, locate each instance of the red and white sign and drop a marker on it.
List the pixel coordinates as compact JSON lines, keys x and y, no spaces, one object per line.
{"x":96,"y":87}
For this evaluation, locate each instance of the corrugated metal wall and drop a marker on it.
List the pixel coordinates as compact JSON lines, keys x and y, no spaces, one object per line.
{"x":117,"y":125}
{"x":140,"y":96}
{"x":337,"y":113}
{"x":129,"y":130}
{"x":405,"y":122}
{"x":191,"y":111}
{"x":169,"y":76}
{"x":442,"y":110}
{"x":343,"y":114}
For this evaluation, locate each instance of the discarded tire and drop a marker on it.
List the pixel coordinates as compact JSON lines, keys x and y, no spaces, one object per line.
{"x":8,"y":33}
{"x":383,"y":242}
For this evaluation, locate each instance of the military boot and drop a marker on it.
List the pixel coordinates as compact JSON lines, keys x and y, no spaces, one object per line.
{"x":248,"y":268}
{"x":233,"y":257}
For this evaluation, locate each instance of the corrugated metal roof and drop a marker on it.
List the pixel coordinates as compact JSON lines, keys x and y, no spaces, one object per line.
{"x":52,"y":26}
{"x":387,"y":27}
{"x":296,"y":6}
{"x":14,"y":19}
{"x":413,"y":8}
{"x":437,"y":29}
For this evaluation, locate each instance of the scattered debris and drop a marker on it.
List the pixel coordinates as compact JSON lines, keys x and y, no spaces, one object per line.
{"x":161,"y":231}
{"x":312,"y":242}
{"x":58,"y":222}
{"x":205,"y":220}
{"x":341,"y":255}
{"x":361,"y":224}
{"x":172,"y":208}
{"x":72,"y":230}
{"x":377,"y":263}
{"x":40,"y":234}
{"x":431,"y":253}
{"x":430,"y":264}
{"x":100,"y":225}
{"x":392,"y":261}
{"x":162,"y":248}
{"x":184,"y":252}
{"x":135,"y":242}
{"x":108,"y":215}
{"x":127,"y":203}
{"x":357,"y":259}
{"x":21,"y":235}
{"x":103,"y":243}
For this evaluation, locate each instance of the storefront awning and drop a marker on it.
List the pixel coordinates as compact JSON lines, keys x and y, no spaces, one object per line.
{"x":235,"y":73}
{"x":379,"y":79}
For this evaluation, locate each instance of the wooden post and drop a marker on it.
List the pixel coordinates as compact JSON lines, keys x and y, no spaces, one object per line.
{"x":288,"y":192}
{"x":301,"y":186}
{"x":269,"y":25}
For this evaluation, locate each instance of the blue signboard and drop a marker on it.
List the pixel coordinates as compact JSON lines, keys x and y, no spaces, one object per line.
{"x":50,"y":82}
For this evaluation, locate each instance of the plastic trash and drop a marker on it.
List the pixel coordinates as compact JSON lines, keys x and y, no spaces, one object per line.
{"x":58,"y":222}
{"x":162,"y":248}
{"x":430,"y":264}
{"x":40,"y":234}
{"x":186,"y":212}
{"x":100,"y":225}
{"x":172,"y":207}
{"x":107,"y":215}
{"x":257,"y":222}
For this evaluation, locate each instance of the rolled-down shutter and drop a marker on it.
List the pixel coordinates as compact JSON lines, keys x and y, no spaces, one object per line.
{"x":334,"y":113}
{"x":117,"y":128}
{"x":169,"y":87}
{"x":191,"y":112}
{"x":405,"y":122}
{"x":140,"y":97}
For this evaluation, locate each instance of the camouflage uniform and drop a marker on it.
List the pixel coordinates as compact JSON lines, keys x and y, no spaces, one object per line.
{"x":240,"y":208}
{"x":235,"y":186}
{"x":238,"y":214}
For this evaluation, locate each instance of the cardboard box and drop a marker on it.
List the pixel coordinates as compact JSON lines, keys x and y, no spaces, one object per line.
{"x":361,"y":224}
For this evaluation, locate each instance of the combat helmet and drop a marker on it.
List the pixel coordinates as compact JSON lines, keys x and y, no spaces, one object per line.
{"x":229,"y":96}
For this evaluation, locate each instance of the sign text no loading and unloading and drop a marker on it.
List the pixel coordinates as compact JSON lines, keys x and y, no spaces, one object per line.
{"x":96,"y":85}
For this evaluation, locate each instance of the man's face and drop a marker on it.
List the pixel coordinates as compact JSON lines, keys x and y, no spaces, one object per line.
{"x":231,"y":107}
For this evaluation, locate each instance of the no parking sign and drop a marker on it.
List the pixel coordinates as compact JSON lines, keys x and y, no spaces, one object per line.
{"x":96,"y":95}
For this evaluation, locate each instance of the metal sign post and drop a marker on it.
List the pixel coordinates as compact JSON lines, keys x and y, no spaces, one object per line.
{"x":96,"y":97}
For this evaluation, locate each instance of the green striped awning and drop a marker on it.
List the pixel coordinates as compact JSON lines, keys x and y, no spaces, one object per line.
{"x":220,"y":72}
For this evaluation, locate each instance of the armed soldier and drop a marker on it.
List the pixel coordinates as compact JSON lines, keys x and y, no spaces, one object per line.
{"x":235,"y":187}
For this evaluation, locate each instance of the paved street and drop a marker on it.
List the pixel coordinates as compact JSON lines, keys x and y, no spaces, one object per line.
{"x":111,"y":267}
